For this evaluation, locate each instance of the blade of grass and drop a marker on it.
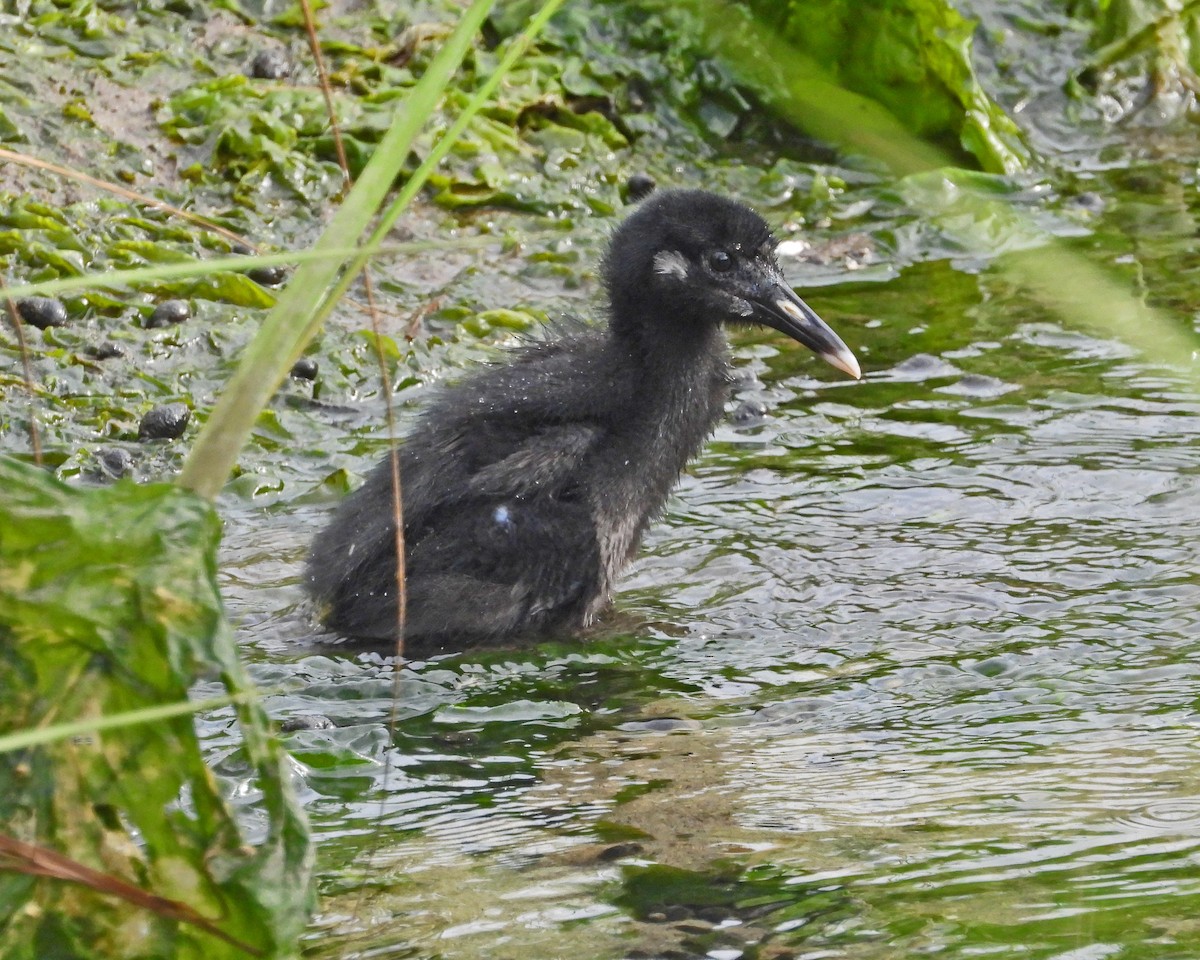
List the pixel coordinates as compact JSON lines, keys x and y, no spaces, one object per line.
{"x":119,"y":279}
{"x":294,"y":320}
{"x":40,"y":736}
{"x":414,"y":183}
{"x":118,"y":190}
{"x":335,"y":128}
{"x":1085,"y":295}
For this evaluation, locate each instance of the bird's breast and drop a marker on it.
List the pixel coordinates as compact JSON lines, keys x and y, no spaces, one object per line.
{"x":643,"y":460}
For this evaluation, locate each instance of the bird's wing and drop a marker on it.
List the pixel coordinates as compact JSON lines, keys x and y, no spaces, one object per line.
{"x":543,"y":463}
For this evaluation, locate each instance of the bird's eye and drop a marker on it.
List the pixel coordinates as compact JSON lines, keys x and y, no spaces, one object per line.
{"x":720,"y":261}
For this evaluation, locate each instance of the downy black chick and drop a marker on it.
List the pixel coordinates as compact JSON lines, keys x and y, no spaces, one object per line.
{"x":527,"y":486}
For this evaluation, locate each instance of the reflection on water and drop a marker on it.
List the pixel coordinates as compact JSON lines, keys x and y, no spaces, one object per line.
{"x":908,"y":668}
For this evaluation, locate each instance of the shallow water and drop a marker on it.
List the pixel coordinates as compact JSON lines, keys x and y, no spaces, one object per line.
{"x":908,"y":668}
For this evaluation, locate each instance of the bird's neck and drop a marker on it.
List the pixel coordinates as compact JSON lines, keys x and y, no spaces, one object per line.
{"x":677,"y":343}
{"x":681,"y":375}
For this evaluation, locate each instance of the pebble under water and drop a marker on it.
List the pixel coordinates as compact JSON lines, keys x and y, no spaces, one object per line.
{"x":908,"y":668}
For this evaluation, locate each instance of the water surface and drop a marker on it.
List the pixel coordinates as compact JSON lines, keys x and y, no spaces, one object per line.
{"x":909,"y":667}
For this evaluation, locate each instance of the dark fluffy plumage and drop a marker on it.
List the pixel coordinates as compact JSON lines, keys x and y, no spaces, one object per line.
{"x":528,"y":486}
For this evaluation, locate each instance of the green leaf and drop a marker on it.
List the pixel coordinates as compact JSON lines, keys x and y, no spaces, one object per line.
{"x":109,"y":606}
{"x":909,"y":58}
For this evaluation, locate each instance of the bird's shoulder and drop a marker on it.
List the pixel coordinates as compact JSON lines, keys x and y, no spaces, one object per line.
{"x":522,"y":426}
{"x":571,"y":375}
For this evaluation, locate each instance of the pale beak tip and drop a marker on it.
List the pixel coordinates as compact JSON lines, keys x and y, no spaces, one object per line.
{"x":845,"y":361}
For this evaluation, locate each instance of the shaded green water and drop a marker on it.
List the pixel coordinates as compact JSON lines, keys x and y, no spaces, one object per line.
{"x":908,"y":668}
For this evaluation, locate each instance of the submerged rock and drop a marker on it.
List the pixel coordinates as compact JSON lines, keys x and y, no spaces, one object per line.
{"x":264,"y":276}
{"x":305,"y":369}
{"x":164,"y":422}
{"x":268,"y":276}
{"x":1088,"y":202}
{"x":116,"y":462}
{"x":273,"y":64}
{"x":106,"y":350}
{"x":42,"y":312}
{"x":168,"y":313}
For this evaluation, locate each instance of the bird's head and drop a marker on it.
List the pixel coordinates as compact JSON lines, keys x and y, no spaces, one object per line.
{"x":689,"y":257}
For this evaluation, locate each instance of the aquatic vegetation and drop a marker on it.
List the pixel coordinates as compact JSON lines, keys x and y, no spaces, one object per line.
{"x":107,"y":636}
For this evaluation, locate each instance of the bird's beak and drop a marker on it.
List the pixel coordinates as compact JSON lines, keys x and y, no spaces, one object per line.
{"x":779,"y":307}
